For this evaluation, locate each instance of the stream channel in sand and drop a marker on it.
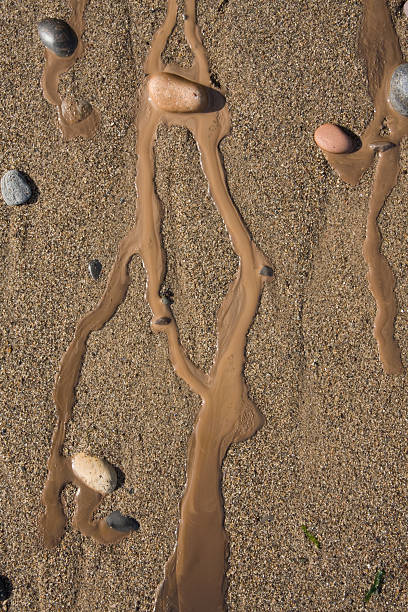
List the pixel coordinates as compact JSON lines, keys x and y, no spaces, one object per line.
{"x":195,"y":574}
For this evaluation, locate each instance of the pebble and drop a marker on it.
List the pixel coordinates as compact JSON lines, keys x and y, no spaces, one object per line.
{"x":163,"y":321}
{"x":5,"y":588}
{"x":405,"y":9}
{"x":74,"y":111}
{"x":399,"y":89}
{"x":96,"y":473}
{"x":118,"y":521}
{"x":15,"y":188}
{"x":58,"y":36}
{"x":175,"y":94}
{"x":381,"y":146}
{"x":266,"y":271}
{"x":333,"y":139}
{"x":95,"y":268}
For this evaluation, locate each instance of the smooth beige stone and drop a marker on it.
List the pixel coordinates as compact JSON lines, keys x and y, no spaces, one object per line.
{"x":96,"y":473}
{"x":333,"y":139}
{"x":175,"y":94}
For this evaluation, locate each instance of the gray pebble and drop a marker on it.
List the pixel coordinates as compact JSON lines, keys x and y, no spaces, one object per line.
{"x":163,"y":321}
{"x":118,"y":521}
{"x":266,"y":271}
{"x":58,"y":36}
{"x":381,"y":146}
{"x":15,"y":188}
{"x":95,"y":268}
{"x":399,"y":89}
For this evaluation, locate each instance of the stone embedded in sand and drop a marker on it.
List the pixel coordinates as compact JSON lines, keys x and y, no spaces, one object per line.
{"x":95,"y":268}
{"x":58,"y":36}
{"x":381,"y":145}
{"x":118,"y":521}
{"x":163,"y":321}
{"x":333,"y":139}
{"x":74,"y":111}
{"x":266,"y":271}
{"x":175,"y":94}
{"x":96,"y":473}
{"x":399,"y":90}
{"x":405,"y":9}
{"x":15,"y":188}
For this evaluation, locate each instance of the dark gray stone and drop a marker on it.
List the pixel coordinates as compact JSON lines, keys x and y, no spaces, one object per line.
{"x":95,"y":268}
{"x":266,"y":271}
{"x":5,"y":588}
{"x":15,"y":188}
{"x":399,"y":89}
{"x":163,"y":321}
{"x":58,"y":36}
{"x":118,"y":521}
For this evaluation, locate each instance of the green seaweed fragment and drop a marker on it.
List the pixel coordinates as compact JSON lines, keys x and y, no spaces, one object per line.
{"x":310,"y":536}
{"x":376,"y":586}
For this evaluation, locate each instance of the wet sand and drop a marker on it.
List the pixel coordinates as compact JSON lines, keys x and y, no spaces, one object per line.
{"x":332,"y":452}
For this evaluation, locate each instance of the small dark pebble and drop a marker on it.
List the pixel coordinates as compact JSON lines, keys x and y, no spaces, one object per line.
{"x":163,"y":321}
{"x":58,"y":36}
{"x":95,"y":268}
{"x":118,"y":521}
{"x":5,"y":588}
{"x":266,"y":271}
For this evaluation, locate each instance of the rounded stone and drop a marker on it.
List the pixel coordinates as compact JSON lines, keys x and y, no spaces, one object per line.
{"x":15,"y":188}
{"x":118,"y":521}
{"x":96,"y":473}
{"x":399,"y":90}
{"x":95,"y":268}
{"x":333,"y":139}
{"x":163,"y":321}
{"x":266,"y":271}
{"x":405,"y":9}
{"x":58,"y":36}
{"x":175,"y":94}
{"x":5,"y":588}
{"x":74,"y":110}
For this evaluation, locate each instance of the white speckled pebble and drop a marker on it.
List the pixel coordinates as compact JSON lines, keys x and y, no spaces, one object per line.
{"x":15,"y":188}
{"x":96,"y":473}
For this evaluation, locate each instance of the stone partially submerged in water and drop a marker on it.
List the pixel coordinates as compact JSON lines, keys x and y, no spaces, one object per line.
{"x":95,"y":473}
{"x":122,"y":523}
{"x":74,"y":110}
{"x":58,"y":36}
{"x":333,"y":139}
{"x":399,"y":90}
{"x":174,"y":94}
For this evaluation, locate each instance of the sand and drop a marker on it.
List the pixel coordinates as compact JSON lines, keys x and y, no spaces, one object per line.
{"x":332,"y":452}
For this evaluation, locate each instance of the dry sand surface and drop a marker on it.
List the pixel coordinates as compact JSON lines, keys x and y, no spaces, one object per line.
{"x":333,"y":451}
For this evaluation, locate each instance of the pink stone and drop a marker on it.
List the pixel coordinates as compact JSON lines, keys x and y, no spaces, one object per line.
{"x":405,"y":9}
{"x":175,"y":94}
{"x":333,"y":139}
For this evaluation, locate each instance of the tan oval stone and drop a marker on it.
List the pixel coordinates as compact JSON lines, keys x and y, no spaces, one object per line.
{"x":74,"y":111}
{"x":333,"y":139}
{"x":175,"y":94}
{"x":96,"y":473}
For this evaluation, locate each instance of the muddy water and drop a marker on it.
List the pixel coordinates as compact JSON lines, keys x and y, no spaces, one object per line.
{"x":194,"y":575}
{"x":72,"y":120}
{"x":381,"y":51}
